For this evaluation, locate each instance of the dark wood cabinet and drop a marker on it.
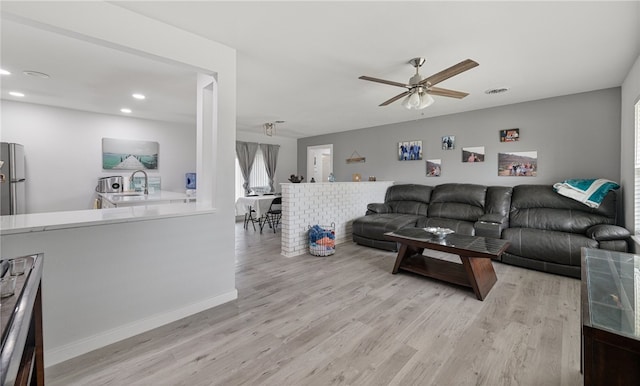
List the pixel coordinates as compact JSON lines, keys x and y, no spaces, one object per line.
{"x":610,"y":318}
{"x":21,"y":355}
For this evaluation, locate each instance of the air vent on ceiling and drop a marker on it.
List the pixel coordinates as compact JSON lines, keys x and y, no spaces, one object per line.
{"x":499,"y":90}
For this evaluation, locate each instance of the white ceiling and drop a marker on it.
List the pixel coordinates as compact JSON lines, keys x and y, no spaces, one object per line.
{"x":300,"y":61}
{"x":86,"y":76}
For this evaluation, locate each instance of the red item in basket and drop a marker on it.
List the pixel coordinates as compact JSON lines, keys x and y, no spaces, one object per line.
{"x":326,"y":242}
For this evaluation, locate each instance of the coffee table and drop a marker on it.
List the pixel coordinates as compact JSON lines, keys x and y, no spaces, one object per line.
{"x":475,"y":271}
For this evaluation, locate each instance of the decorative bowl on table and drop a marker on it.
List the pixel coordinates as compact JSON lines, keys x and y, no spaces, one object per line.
{"x":296,"y":179}
{"x":439,"y":232}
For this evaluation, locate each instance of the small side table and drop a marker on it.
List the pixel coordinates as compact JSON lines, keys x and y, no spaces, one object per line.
{"x":610,"y":317}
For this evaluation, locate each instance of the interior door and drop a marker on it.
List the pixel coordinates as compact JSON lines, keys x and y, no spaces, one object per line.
{"x":319,"y":162}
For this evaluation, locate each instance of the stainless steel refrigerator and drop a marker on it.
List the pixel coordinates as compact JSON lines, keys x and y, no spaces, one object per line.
{"x":12,"y":179}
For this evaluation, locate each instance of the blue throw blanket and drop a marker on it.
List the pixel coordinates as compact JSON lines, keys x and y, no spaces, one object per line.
{"x":590,"y":192}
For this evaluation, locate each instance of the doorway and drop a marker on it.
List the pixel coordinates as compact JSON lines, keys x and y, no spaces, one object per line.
{"x":319,"y":162}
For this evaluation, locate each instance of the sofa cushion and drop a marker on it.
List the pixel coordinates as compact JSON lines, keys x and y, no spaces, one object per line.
{"x":374,"y":226}
{"x":458,"y":202}
{"x":498,"y":200}
{"x":540,"y":207}
{"x":408,"y":198}
{"x":547,"y":245}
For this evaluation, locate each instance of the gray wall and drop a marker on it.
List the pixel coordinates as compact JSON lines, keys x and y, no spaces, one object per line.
{"x":576,"y":136}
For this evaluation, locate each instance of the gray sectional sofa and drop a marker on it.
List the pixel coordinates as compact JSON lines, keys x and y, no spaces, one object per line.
{"x":546,"y":230}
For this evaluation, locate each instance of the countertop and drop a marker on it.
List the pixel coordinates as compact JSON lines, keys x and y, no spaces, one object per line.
{"x":38,"y":222}
{"x":133,"y":197}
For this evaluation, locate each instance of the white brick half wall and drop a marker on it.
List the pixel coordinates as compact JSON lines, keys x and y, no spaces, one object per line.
{"x":304,"y":205}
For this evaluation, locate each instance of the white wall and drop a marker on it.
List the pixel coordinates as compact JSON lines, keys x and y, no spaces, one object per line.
{"x":108,"y":282}
{"x":63,"y":150}
{"x":287,"y":162}
{"x":112,"y":25}
{"x":630,"y":96}
{"x":576,"y":136}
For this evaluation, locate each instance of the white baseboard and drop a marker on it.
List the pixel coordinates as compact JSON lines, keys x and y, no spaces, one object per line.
{"x":83,"y":346}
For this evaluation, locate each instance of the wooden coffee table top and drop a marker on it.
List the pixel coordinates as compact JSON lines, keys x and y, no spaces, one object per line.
{"x":475,"y":270}
{"x":453,"y":243}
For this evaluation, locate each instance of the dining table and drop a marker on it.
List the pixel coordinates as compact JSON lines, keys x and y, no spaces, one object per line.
{"x":260,"y":204}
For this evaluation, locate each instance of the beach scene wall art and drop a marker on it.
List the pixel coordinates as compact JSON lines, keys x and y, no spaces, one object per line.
{"x":127,"y":154}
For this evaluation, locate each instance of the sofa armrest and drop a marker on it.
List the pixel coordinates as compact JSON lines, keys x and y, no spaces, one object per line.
{"x":491,"y":225}
{"x":495,"y":218}
{"x":606,"y":232}
{"x":377,"y":208}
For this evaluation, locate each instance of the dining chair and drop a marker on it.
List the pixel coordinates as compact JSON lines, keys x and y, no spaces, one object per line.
{"x":249,"y":216}
{"x":273,"y":215}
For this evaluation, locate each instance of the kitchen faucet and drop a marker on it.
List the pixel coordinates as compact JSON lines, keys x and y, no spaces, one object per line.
{"x":146,"y":180}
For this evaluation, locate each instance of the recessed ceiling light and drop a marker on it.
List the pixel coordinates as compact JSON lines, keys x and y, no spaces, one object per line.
{"x":37,"y":74}
{"x":16,"y":94}
{"x":125,"y":110}
{"x":498,"y":90}
{"x":4,"y":72}
{"x":138,"y":96}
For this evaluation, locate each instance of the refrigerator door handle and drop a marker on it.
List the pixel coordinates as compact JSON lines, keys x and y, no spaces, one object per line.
{"x":17,"y":202}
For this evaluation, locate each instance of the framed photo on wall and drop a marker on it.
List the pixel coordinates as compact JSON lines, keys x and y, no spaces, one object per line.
{"x":448,"y":142}
{"x":510,"y":135}
{"x":518,"y":164}
{"x":410,"y":151}
{"x":434,"y":167}
{"x":473,"y":154}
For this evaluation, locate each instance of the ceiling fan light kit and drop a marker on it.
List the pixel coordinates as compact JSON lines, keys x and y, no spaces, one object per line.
{"x":270,"y":128}
{"x":419,"y":89}
{"x":418,"y":100}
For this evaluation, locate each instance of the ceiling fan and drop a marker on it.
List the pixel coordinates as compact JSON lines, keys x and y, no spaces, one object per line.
{"x":419,"y":89}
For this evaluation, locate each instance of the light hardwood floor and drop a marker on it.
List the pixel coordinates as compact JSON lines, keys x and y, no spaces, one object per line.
{"x":346,"y":320}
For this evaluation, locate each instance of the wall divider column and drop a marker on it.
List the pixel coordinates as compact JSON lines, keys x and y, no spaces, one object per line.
{"x":308,"y":204}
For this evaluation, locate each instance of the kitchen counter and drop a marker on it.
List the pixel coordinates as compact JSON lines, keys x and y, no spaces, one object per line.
{"x":126,"y":262}
{"x":39,"y":222}
{"x":115,"y":200}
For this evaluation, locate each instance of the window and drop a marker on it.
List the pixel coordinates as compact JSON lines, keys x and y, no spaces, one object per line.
{"x":637,"y":171}
{"x":258,"y":180}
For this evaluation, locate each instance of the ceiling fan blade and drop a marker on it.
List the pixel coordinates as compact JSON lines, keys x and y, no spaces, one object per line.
{"x":449,"y":72}
{"x":389,"y":82}
{"x":395,"y":98}
{"x":446,"y":92}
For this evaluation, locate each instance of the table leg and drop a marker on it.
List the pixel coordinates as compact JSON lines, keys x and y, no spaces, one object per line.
{"x":481,"y":275}
{"x":404,"y":252}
